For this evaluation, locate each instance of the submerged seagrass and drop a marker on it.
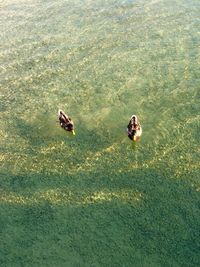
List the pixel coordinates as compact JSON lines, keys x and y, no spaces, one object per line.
{"x":97,"y":199}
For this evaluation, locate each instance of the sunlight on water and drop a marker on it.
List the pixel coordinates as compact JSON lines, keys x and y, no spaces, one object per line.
{"x":101,"y":62}
{"x":62,"y":197}
{"x":100,"y":70}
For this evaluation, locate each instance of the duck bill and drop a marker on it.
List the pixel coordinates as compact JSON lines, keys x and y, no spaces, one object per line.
{"x":73,"y":132}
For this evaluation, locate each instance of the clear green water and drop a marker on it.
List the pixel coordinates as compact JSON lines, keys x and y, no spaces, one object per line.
{"x":96,"y":199}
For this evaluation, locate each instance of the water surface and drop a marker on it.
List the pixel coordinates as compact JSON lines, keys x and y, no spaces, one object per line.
{"x":97,"y":199}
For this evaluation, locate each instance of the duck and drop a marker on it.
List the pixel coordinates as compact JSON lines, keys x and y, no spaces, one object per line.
{"x":134,"y":129}
{"x":66,"y":122}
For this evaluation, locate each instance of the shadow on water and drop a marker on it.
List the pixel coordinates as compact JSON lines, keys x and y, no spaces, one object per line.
{"x":30,"y":131}
{"x":46,"y":128}
{"x":164,"y":205}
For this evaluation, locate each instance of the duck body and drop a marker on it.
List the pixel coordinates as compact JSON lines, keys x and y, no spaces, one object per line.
{"x":134,"y":129}
{"x":66,"y":122}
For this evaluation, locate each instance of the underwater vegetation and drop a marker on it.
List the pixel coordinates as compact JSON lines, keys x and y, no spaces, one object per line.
{"x":96,"y":198}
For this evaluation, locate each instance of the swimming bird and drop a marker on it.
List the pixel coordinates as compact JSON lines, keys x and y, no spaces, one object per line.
{"x":134,"y":128}
{"x":66,"y":122}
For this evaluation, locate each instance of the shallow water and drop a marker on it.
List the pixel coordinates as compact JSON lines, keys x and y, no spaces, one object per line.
{"x":100,"y":62}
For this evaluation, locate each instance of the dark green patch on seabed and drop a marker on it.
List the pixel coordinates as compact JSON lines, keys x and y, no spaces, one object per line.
{"x":95,"y":199}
